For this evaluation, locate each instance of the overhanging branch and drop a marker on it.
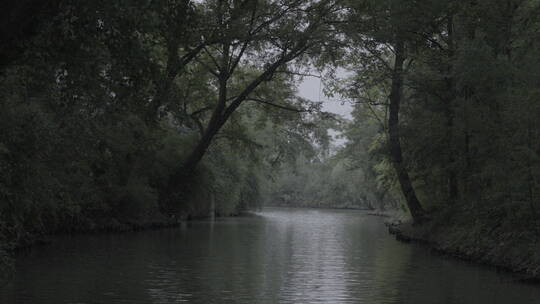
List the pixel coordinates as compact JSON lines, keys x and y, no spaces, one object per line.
{"x":277,"y":106}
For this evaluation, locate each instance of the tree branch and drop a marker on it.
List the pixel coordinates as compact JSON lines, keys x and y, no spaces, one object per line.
{"x":299,"y":74}
{"x":200,"y":111}
{"x":276,"y":105}
{"x":208,"y":68}
{"x":214,"y":60}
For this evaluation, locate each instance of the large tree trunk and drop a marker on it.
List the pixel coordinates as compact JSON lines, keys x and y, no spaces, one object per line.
{"x":417,"y":212}
{"x":214,"y":125}
{"x":449,"y":113}
{"x":179,"y":181}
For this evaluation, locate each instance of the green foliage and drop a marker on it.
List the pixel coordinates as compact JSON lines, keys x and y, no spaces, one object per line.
{"x":468,"y":120}
{"x":109,"y":100}
{"x":327,"y":183}
{"x":102,"y":108}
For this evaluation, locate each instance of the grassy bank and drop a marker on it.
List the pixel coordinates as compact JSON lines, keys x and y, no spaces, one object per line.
{"x":467,"y":235}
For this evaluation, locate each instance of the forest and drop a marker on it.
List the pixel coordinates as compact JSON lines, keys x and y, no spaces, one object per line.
{"x":134,"y":114}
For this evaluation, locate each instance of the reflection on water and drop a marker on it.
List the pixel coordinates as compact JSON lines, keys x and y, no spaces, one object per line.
{"x":280,"y":256}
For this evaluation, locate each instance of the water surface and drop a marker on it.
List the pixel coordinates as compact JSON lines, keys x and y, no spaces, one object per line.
{"x":279,"y":256}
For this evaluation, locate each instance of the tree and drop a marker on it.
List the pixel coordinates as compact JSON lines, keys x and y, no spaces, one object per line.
{"x":381,"y":31}
{"x":417,"y":212}
{"x":284,"y":30}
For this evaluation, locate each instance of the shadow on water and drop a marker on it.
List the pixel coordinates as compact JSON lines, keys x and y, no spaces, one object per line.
{"x":275,"y":256}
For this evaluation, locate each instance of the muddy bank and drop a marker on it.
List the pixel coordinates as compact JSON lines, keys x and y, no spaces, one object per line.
{"x":509,"y":250}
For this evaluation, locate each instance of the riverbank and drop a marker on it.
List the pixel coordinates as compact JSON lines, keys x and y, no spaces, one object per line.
{"x":501,"y":245}
{"x":113,"y":225}
{"x":9,"y":248}
{"x":354,"y":257}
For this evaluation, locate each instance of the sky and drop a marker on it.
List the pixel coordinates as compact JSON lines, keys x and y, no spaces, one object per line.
{"x":312,"y":88}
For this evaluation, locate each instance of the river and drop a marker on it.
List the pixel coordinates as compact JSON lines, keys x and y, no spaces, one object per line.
{"x":278,"y":256}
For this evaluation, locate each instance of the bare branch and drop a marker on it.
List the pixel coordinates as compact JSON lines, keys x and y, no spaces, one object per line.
{"x":208,"y":68}
{"x":378,"y":56}
{"x":214,"y":60}
{"x":299,"y":74}
{"x":190,"y":55}
{"x":430,"y":39}
{"x":245,"y":44}
{"x":276,"y":105}
{"x":202,"y":110}
{"x":198,"y":123}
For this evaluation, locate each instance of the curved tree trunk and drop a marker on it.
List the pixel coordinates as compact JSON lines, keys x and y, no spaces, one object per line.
{"x":417,"y":212}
